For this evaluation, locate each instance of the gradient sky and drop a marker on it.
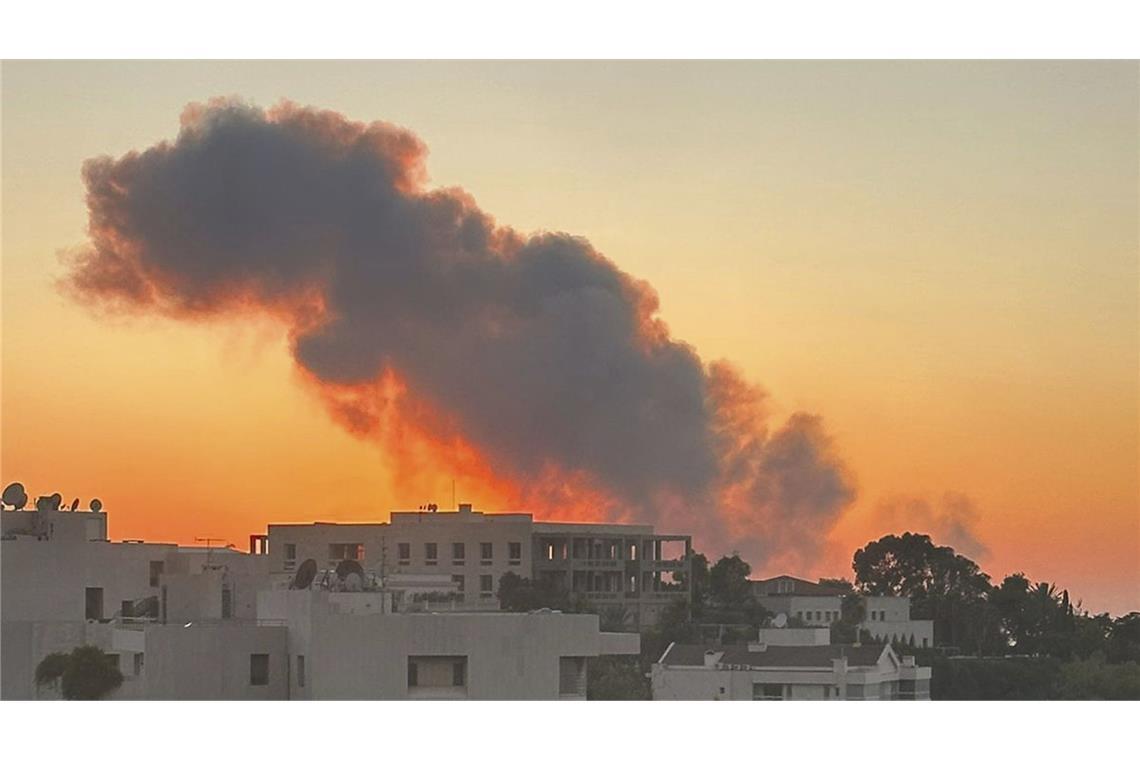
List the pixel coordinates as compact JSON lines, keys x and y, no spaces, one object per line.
{"x":939,"y":258}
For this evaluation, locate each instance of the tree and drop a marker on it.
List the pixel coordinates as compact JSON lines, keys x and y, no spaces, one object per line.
{"x":943,"y":586}
{"x":614,"y":677}
{"x":728,"y":582}
{"x":1124,"y":639}
{"x":518,"y":594}
{"x":87,"y":672}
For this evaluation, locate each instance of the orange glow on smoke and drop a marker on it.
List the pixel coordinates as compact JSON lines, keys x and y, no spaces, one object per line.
{"x":424,"y":449}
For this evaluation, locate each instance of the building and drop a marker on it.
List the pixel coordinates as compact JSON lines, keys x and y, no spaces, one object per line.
{"x":788,"y":664}
{"x":343,"y":645}
{"x":811,"y":604}
{"x":624,"y":567}
{"x":214,"y":623}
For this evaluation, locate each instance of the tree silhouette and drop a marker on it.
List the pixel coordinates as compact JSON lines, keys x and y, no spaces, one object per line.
{"x":87,"y":672}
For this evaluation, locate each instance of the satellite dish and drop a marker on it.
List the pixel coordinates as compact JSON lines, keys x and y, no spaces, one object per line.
{"x":75,"y":505}
{"x":780,"y":621}
{"x":305,"y":574}
{"x":351,"y":574}
{"x":96,"y":505}
{"x":55,"y":500}
{"x":347,"y":566}
{"x":43,"y":503}
{"x":15,"y":495}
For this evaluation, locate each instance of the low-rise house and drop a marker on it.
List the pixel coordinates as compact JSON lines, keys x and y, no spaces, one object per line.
{"x":788,"y":664}
{"x":806,"y":603}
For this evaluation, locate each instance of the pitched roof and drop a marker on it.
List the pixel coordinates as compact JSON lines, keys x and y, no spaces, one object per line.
{"x":800,"y":587}
{"x":776,"y":656}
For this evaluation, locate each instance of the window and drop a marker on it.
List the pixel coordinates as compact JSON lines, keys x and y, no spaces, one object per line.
{"x":93,"y":603}
{"x":486,"y":552}
{"x":340,"y":552}
{"x":458,"y":579}
{"x":768,"y":691}
{"x":227,"y":602}
{"x":431,"y":553}
{"x":127,"y":609}
{"x":259,"y":670}
{"x":486,"y":585}
{"x":404,"y":552}
{"x":437,"y":676}
{"x":301,"y":670}
{"x":139,"y":661}
{"x":514,"y":553}
{"x":290,"y":556}
{"x":458,"y":553}
{"x":113,"y":658}
{"x":156,"y":568}
{"x":572,"y":676}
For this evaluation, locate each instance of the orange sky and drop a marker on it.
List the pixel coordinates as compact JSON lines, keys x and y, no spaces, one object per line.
{"x":941,"y":259}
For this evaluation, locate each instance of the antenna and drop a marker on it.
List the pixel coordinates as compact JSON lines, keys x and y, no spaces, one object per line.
{"x":305,"y":574}
{"x":453,"y":494}
{"x":96,"y":505}
{"x":210,"y":549}
{"x":15,"y":495}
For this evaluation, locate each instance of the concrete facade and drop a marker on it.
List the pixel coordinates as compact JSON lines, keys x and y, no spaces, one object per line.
{"x":195,"y":623}
{"x":627,"y":567}
{"x":343,"y":651}
{"x":806,"y":603}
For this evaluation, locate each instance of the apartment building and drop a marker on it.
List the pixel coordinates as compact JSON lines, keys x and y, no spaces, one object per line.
{"x":214,"y":623}
{"x":624,"y":567}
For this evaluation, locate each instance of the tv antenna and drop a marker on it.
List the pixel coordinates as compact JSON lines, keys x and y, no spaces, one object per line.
{"x":210,"y":543}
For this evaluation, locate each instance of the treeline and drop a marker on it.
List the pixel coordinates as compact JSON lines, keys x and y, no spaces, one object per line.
{"x":1017,"y":639}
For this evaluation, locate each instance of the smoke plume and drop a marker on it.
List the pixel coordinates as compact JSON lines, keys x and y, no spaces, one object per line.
{"x":952,"y":520}
{"x":529,"y":363}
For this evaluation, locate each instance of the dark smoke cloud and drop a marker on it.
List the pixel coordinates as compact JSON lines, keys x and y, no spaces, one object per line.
{"x":536,"y":349}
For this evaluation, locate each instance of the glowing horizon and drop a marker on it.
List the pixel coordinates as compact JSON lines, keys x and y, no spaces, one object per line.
{"x":940,"y":259}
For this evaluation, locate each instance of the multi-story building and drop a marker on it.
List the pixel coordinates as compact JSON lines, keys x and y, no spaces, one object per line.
{"x":886,"y":618}
{"x":623,"y":567}
{"x":214,"y":623}
{"x":788,"y":664}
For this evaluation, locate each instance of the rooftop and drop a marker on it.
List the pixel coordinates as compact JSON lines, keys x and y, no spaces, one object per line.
{"x":776,"y":656}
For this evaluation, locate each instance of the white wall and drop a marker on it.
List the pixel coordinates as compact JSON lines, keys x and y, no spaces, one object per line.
{"x":365,"y":656}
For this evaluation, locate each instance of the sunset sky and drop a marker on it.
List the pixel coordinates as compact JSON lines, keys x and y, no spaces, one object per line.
{"x":940,"y":259}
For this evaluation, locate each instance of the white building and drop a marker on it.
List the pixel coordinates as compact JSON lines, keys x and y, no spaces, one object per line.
{"x":788,"y":664}
{"x":811,"y":604}
{"x":197,"y":623}
{"x":342,"y":646}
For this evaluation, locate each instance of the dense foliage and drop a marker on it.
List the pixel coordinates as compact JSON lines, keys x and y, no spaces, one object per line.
{"x":1018,"y":639}
{"x":86,"y":672}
